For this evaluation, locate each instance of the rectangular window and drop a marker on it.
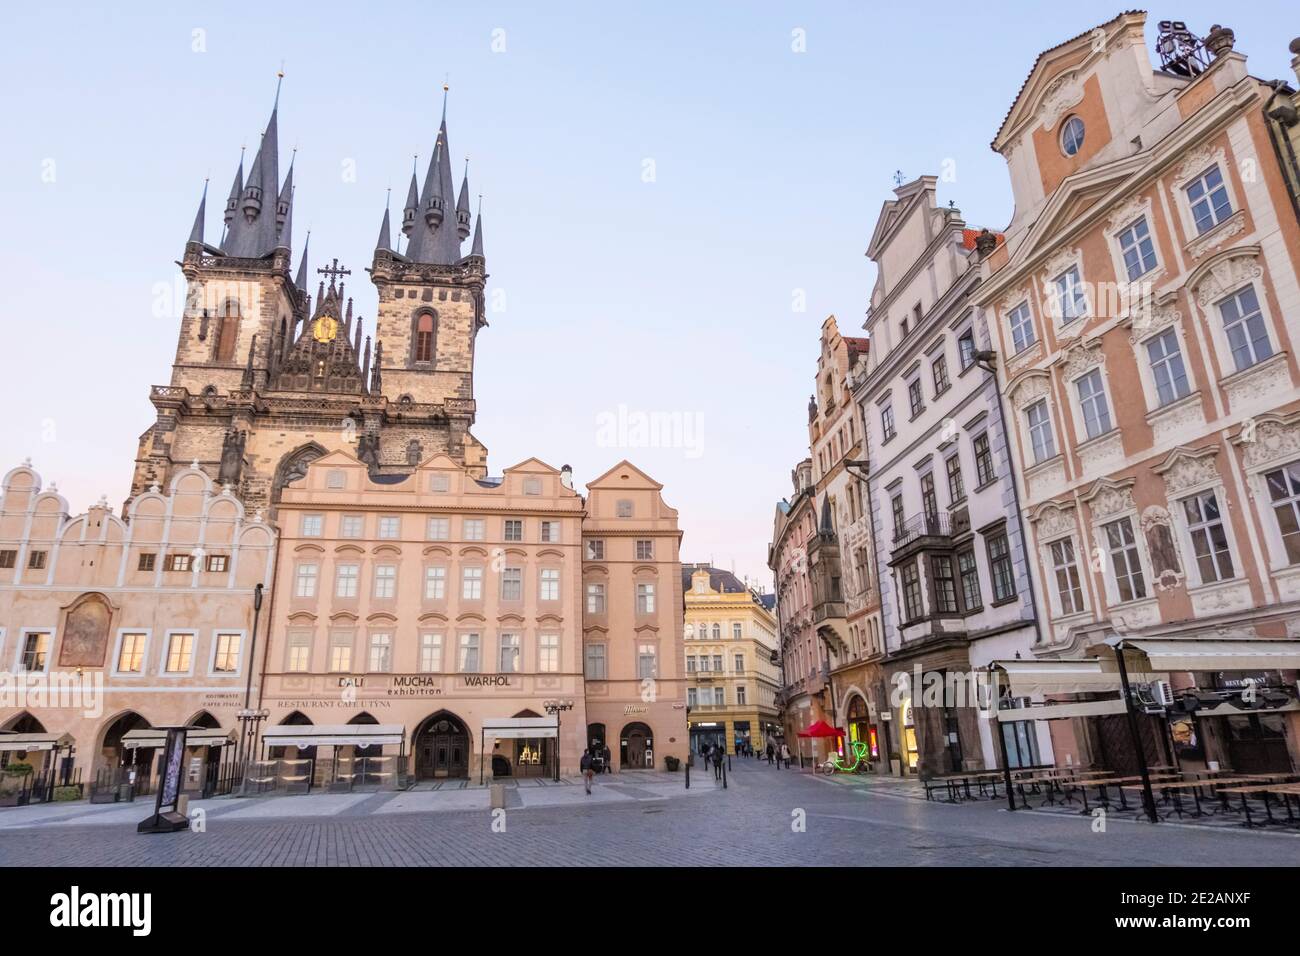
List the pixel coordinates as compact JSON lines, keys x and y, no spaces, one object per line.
{"x":312,"y":525}
{"x":347,"y":578}
{"x":509,"y":659}
{"x":512,"y":584}
{"x":1243,"y":324}
{"x":439,"y":529}
{"x":896,"y":508}
{"x":381,"y":652}
{"x":305,"y":581}
{"x":737,"y":631}
{"x":719,"y":697}
{"x":740,"y":695}
{"x":226,"y":659}
{"x":646,"y":662}
{"x":915,"y":400}
{"x":473,"y":528}
{"x":341,"y":652}
{"x":180,"y":651}
{"x":36,"y":561}
{"x":435,"y":583}
{"x":299,"y":652}
{"x":385,"y":581}
{"x":887,"y":422}
{"x":939,"y":372}
{"x":1209,"y":540}
{"x":430,"y":653}
{"x":1209,"y":200}
{"x":548,"y":653}
{"x":690,"y":664}
{"x":692,"y":698}
{"x":1284,"y":495}
{"x":36,"y":649}
{"x":130,"y":656}
{"x":1136,"y":247}
{"x":717,"y":663}
{"x":351,"y":526}
{"x":217,"y":563}
{"x":1040,"y":431}
{"x":1167,"y":368}
{"x":956,"y":487}
{"x":550,"y":532}
{"x":739,"y":660}
{"x":1129,"y":582}
{"x":549,"y":585}
{"x":468,"y":661}
{"x":1070,"y":300}
{"x":595,"y":599}
{"x":146,"y":560}
{"x":983,"y":459}
{"x":390,"y":527}
{"x":175,"y":562}
{"x":966,"y":349}
{"x":929,"y":501}
{"x":1000,"y":570}
{"x":969,"y":571}
{"x":471,"y":584}
{"x":595,"y":549}
{"x":912,"y":604}
{"x":1022,"y":327}
{"x":514,"y":530}
{"x":596,"y":669}
{"x":645,"y":598}
{"x":440,"y":484}
{"x":945,"y":585}
{"x":623,"y":509}
{"x":1092,"y":400}
{"x":1065,"y":569}
{"x":645,"y":550}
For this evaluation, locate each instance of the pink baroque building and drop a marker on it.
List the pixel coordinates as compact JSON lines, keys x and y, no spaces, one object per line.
{"x":113,"y":625}
{"x":443,"y":607}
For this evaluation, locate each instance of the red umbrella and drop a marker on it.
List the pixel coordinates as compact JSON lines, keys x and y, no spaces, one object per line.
{"x":822,"y":729}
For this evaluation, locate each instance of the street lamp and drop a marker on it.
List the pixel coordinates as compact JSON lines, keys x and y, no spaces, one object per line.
{"x":555,"y":708}
{"x":247,"y":716}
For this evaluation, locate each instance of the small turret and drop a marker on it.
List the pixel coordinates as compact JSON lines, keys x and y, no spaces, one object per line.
{"x":462,"y":207}
{"x":236,"y":190}
{"x":434,"y":206}
{"x":412,"y":204}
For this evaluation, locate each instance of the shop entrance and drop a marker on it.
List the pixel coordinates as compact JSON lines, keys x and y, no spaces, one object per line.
{"x":706,"y":735}
{"x":442,"y":747}
{"x":911,"y":753}
{"x":635,"y":743}
{"x":1257,"y":744}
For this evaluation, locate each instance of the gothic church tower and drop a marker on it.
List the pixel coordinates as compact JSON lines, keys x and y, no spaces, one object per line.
{"x":264,"y":381}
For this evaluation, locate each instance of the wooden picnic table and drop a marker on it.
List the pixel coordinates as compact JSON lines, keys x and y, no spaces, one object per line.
{"x":1118,"y":783}
{"x":1175,"y":786}
{"x":1287,"y":790}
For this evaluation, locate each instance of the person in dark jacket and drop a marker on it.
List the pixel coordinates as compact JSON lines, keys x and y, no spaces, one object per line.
{"x":717,"y":763}
{"x":606,"y":756}
{"x":771,"y":753}
{"x":587,"y":767}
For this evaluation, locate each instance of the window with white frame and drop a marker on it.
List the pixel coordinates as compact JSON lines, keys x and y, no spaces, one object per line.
{"x":347,"y":579}
{"x":1167,"y":369}
{"x":966,"y":348}
{"x":381,"y":652}
{"x":471,"y":584}
{"x":435,"y":583}
{"x":595,"y":599}
{"x":512,"y":584}
{"x":430,"y":653}
{"x":719,"y":697}
{"x":645,"y":549}
{"x":385,"y":581}
{"x":1093,"y":404}
{"x":596,"y":663}
{"x":548,"y":653}
{"x":692,"y":698}
{"x":938,"y":372}
{"x":390,"y":527}
{"x":225,"y":656}
{"x":351,"y":526}
{"x":645,"y":598}
{"x":595,"y":549}
{"x":1244,"y":328}
{"x":340,"y":660}
{"x":1065,"y":569}
{"x":550,"y":532}
{"x":130,"y":653}
{"x":740,"y":695}
{"x":180,"y":652}
{"x":35,"y":652}
{"x":1071,"y":303}
{"x":305,"y":581}
{"x":886,"y":422}
{"x":647,"y":662}
{"x":1208,"y":197}
{"x":473,"y":529}
{"x":513,"y":529}
{"x":1136,"y":247}
{"x":549,"y":584}
{"x":439,"y":529}
{"x":312,"y":525}
{"x":509,"y":658}
{"x":1284,"y":495}
{"x":1209,"y":538}
{"x":1022,"y":327}
{"x":298,"y":653}
{"x":737,"y":631}
{"x":915,"y":400}
{"x":1040,"y":431}
{"x":440,"y":484}
{"x":1130,"y":584}
{"x":468,"y":660}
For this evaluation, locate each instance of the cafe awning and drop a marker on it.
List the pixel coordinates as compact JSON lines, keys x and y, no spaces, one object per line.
{"x":194,"y":737}
{"x":822,"y":729}
{"x":1210,"y":654}
{"x":1048,"y":677}
{"x":332,"y":735}
{"x":34,"y":741}
{"x":520,"y":728}
{"x":1055,"y":711}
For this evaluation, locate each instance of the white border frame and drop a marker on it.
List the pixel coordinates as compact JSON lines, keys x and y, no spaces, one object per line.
{"x":144,"y":657}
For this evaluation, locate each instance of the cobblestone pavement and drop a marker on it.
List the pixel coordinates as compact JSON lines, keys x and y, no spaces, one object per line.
{"x":642,"y":820}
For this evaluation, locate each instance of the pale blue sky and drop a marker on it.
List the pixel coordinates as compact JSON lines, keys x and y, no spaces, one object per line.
{"x":672,"y":296}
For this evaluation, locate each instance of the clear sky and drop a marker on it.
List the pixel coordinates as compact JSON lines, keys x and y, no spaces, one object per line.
{"x":660,"y":183}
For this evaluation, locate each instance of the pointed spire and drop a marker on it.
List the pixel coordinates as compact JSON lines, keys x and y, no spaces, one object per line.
{"x":477,"y":248}
{"x":285,"y":199}
{"x":248,"y":369}
{"x":412,"y":202}
{"x":236,"y":190}
{"x":385,"y":242}
{"x":365,"y":365}
{"x":462,"y":206}
{"x":285,"y":240}
{"x":255,"y":233}
{"x":356,"y":343}
{"x":196,"y":232}
{"x":431,"y":241}
{"x":376,"y":381}
{"x":301,"y":281}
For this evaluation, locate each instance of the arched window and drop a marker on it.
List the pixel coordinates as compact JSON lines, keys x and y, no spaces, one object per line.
{"x":227,"y":332}
{"x":423,"y":338}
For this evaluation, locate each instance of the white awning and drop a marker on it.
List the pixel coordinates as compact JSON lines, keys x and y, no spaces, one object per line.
{"x":520,"y":728}
{"x":195,"y":737}
{"x":1208,"y":654}
{"x":333,"y":735}
{"x":34,"y":741}
{"x":1087,"y":708}
{"x":1048,"y":677}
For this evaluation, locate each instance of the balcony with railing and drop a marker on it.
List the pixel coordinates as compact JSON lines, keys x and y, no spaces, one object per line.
{"x":943,"y":526}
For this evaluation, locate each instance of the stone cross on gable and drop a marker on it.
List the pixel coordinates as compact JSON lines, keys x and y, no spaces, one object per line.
{"x":333,"y":271}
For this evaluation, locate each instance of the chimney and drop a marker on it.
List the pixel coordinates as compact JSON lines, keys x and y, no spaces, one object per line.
{"x":566,"y":476}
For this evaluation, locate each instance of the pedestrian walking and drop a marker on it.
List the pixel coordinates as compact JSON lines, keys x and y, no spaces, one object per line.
{"x":588,"y":771}
{"x":608,"y":758}
{"x":717,"y":763}
{"x":771,"y":752}
{"x":785,"y":756}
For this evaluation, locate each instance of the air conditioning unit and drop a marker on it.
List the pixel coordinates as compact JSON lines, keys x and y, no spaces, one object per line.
{"x":1163,"y":693}
{"x":1145,"y":697}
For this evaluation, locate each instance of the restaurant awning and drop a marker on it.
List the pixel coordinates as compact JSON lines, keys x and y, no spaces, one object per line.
{"x":332,"y":735}
{"x":1048,"y":677}
{"x":822,"y":729}
{"x":194,"y":737}
{"x":1055,"y":711}
{"x":520,"y":728}
{"x":34,"y":741}
{"x":1211,"y":654}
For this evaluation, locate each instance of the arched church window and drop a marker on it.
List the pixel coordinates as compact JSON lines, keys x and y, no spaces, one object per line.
{"x":227,"y":332}
{"x":424,"y":332}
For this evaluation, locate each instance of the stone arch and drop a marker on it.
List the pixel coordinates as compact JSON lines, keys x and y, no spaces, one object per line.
{"x":293,"y":466}
{"x":424,"y":338}
{"x":225,"y":342}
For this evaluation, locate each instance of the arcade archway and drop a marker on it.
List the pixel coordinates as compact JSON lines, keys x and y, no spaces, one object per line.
{"x":441,"y":745}
{"x":636,"y":747}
